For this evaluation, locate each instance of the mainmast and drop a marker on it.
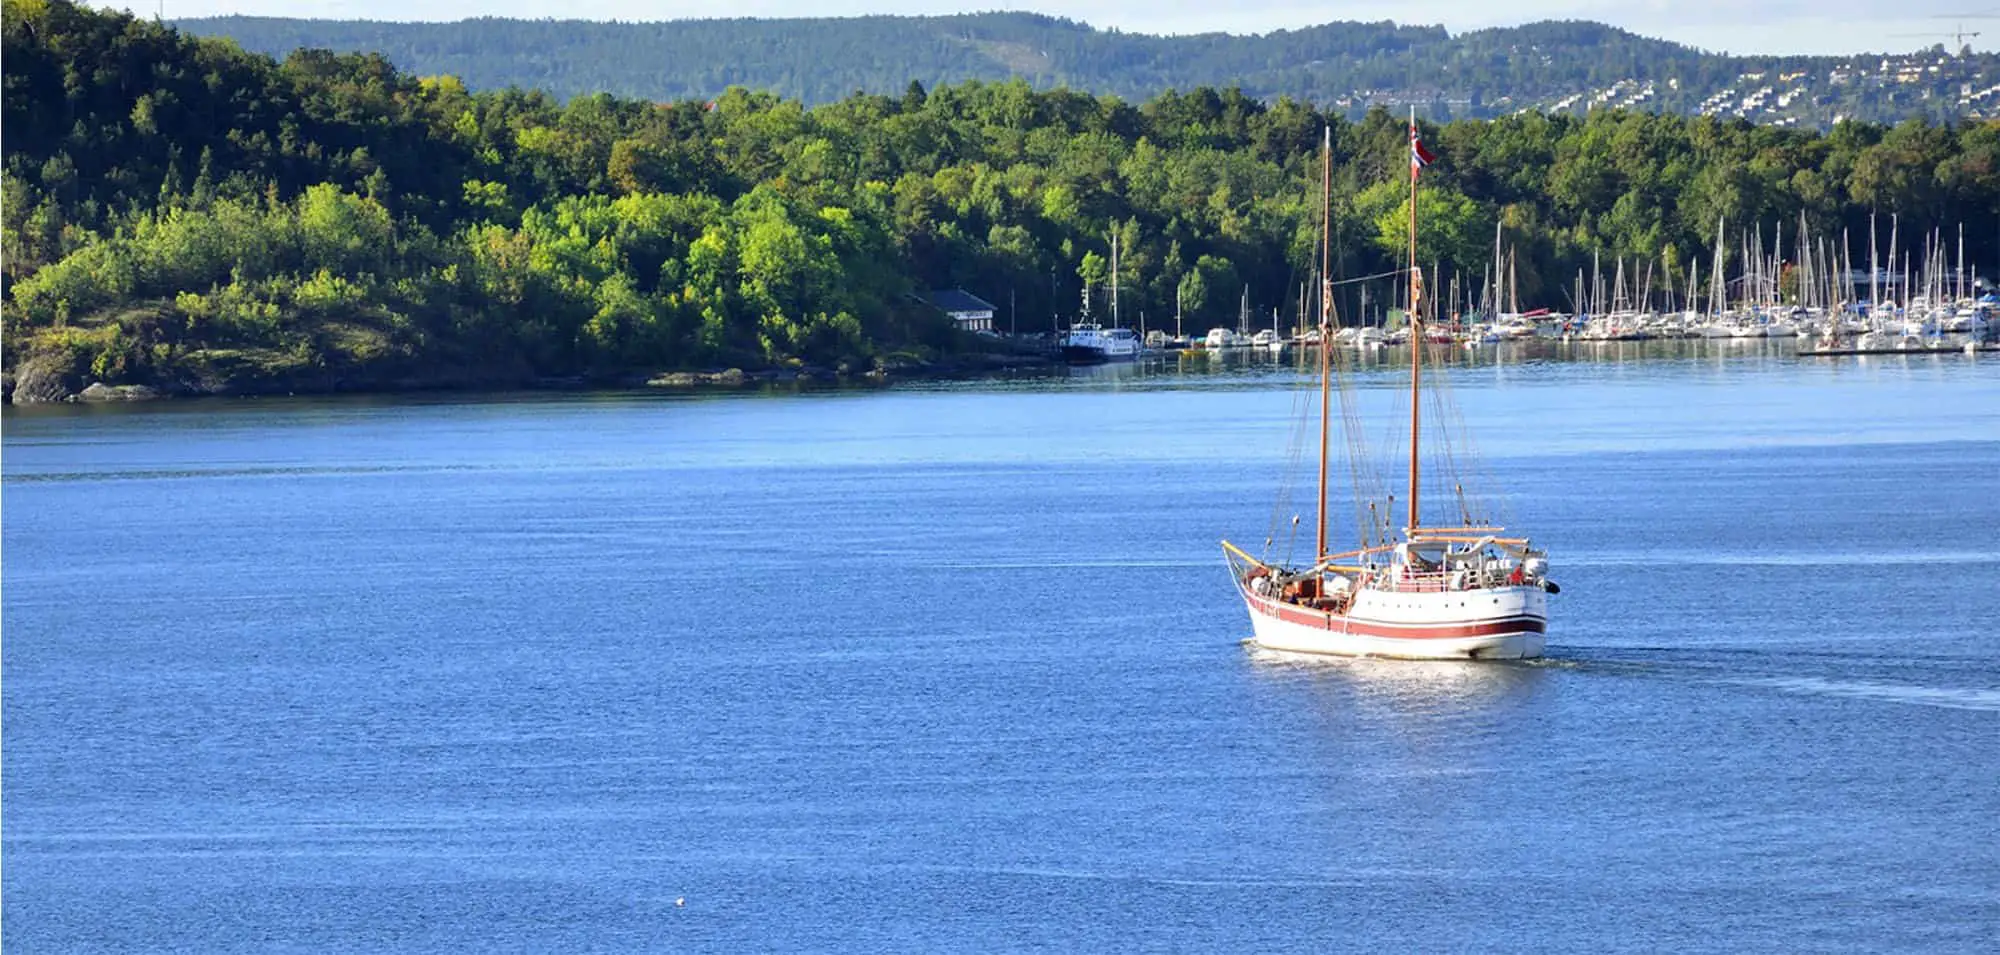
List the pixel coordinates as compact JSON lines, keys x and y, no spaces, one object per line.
{"x":1325,"y":325}
{"x":1416,"y":323}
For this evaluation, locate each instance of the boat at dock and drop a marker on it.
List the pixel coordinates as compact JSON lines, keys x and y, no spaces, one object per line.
{"x":1220,"y":338}
{"x":1458,"y":589}
{"x":1091,"y":344}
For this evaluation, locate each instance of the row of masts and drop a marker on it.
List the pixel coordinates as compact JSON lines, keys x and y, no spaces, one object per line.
{"x":1822,"y":274}
{"x":1826,"y":278}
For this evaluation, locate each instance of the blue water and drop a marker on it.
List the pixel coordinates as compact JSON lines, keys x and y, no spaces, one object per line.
{"x":957,"y":667}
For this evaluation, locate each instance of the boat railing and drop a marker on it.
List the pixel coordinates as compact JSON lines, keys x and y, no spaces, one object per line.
{"x":1408,"y":581}
{"x":1446,"y":581}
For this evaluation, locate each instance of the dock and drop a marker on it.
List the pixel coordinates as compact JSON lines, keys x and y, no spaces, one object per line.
{"x":1921,"y":350}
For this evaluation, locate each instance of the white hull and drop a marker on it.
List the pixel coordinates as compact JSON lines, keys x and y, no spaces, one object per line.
{"x":1500,"y":623}
{"x":1091,"y":344}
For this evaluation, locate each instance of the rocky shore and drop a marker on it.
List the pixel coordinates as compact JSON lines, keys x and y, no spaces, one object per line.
{"x":39,"y":381}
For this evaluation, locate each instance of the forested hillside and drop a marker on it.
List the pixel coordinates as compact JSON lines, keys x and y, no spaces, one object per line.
{"x":1551,"y":66}
{"x":182,"y":214}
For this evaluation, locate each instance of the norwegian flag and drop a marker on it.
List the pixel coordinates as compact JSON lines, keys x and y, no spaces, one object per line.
{"x":1419,"y":156}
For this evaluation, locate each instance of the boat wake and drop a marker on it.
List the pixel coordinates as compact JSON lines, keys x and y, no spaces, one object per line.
{"x":1675,"y":664}
{"x":1357,"y":879}
{"x":1792,"y":559}
{"x":1955,"y":698}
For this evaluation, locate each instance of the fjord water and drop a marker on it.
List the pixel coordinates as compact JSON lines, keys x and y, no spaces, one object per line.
{"x":957,"y":667}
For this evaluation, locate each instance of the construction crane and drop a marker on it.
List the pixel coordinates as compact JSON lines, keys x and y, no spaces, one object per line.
{"x":1958,"y":36}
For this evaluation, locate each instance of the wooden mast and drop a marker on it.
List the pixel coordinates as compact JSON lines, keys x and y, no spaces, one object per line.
{"x":1325,"y":329}
{"x":1416,"y":330}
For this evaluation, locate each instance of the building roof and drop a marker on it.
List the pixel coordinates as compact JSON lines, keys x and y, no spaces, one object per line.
{"x":960,"y":300}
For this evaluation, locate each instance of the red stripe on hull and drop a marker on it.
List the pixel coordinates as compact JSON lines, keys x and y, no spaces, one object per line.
{"x":1376,"y":628}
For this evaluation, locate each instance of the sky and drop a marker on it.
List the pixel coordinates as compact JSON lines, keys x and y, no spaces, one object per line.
{"x":1735,"y":26}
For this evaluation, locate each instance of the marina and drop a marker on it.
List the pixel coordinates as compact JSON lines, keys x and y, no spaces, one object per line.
{"x":1812,"y":291}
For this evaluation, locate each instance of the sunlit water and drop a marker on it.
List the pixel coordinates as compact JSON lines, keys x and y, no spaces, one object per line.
{"x":957,"y":668}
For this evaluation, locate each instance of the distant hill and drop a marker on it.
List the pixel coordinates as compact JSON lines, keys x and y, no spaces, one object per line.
{"x":1552,"y":66}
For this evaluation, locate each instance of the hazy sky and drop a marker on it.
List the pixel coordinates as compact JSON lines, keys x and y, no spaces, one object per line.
{"x":1738,"y":26}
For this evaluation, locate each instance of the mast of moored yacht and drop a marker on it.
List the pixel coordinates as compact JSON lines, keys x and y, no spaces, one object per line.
{"x":1497,"y":298}
{"x":1114,"y":279}
{"x":1513,"y":285}
{"x":1325,"y":329}
{"x":1416,"y":330}
{"x":1874,"y":275}
{"x":1958,"y":284}
{"x":1903,"y":287}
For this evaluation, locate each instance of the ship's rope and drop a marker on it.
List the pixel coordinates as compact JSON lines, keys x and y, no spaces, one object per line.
{"x":1393,"y":273}
{"x":1282,"y":511}
{"x":1364,"y":477}
{"x":1455,"y":460}
{"x":1367,"y":481}
{"x":1445,"y":478}
{"x":1393,"y":451}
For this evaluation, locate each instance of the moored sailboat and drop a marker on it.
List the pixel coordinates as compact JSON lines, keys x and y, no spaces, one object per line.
{"x":1462,"y":591}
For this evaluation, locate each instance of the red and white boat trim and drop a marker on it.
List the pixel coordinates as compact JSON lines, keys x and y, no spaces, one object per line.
{"x":1492,"y":623}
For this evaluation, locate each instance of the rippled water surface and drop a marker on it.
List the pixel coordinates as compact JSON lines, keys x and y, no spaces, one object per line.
{"x":957,"y":668}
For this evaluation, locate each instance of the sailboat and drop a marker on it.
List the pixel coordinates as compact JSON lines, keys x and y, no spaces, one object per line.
{"x":1462,"y":589}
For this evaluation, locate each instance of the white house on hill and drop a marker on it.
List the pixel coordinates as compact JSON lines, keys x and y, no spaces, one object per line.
{"x":972,"y":313}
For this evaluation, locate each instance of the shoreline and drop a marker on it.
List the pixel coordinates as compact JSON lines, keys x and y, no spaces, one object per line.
{"x":975,"y":367}
{"x":55,"y":391}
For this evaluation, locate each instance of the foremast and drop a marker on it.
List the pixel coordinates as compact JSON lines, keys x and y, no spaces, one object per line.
{"x":1325,"y":330}
{"x":1416,"y":328}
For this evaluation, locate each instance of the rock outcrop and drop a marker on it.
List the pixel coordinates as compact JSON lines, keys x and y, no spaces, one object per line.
{"x":44,"y":379}
{"x":99,"y":391}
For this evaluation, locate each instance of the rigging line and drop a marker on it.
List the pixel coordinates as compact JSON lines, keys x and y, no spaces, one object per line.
{"x":1302,"y":420}
{"x":1461,"y":457}
{"x":1362,"y":476}
{"x":1437,"y":390}
{"x":1394,"y":273}
{"x":1294,"y":459}
{"x":1451,"y":425}
{"x":1395,"y":442}
{"x":1354,"y":437}
{"x":1294,"y":456}
{"x":1370,"y":481}
{"x":1473,"y":467}
{"x":1441,"y":462}
{"x":1439,"y":458}
{"x":1444,"y":460}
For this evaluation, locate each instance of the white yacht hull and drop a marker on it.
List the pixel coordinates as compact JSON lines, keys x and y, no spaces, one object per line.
{"x":1497,"y":623}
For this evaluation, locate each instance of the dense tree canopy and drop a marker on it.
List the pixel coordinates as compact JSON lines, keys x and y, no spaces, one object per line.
{"x":177,"y":209}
